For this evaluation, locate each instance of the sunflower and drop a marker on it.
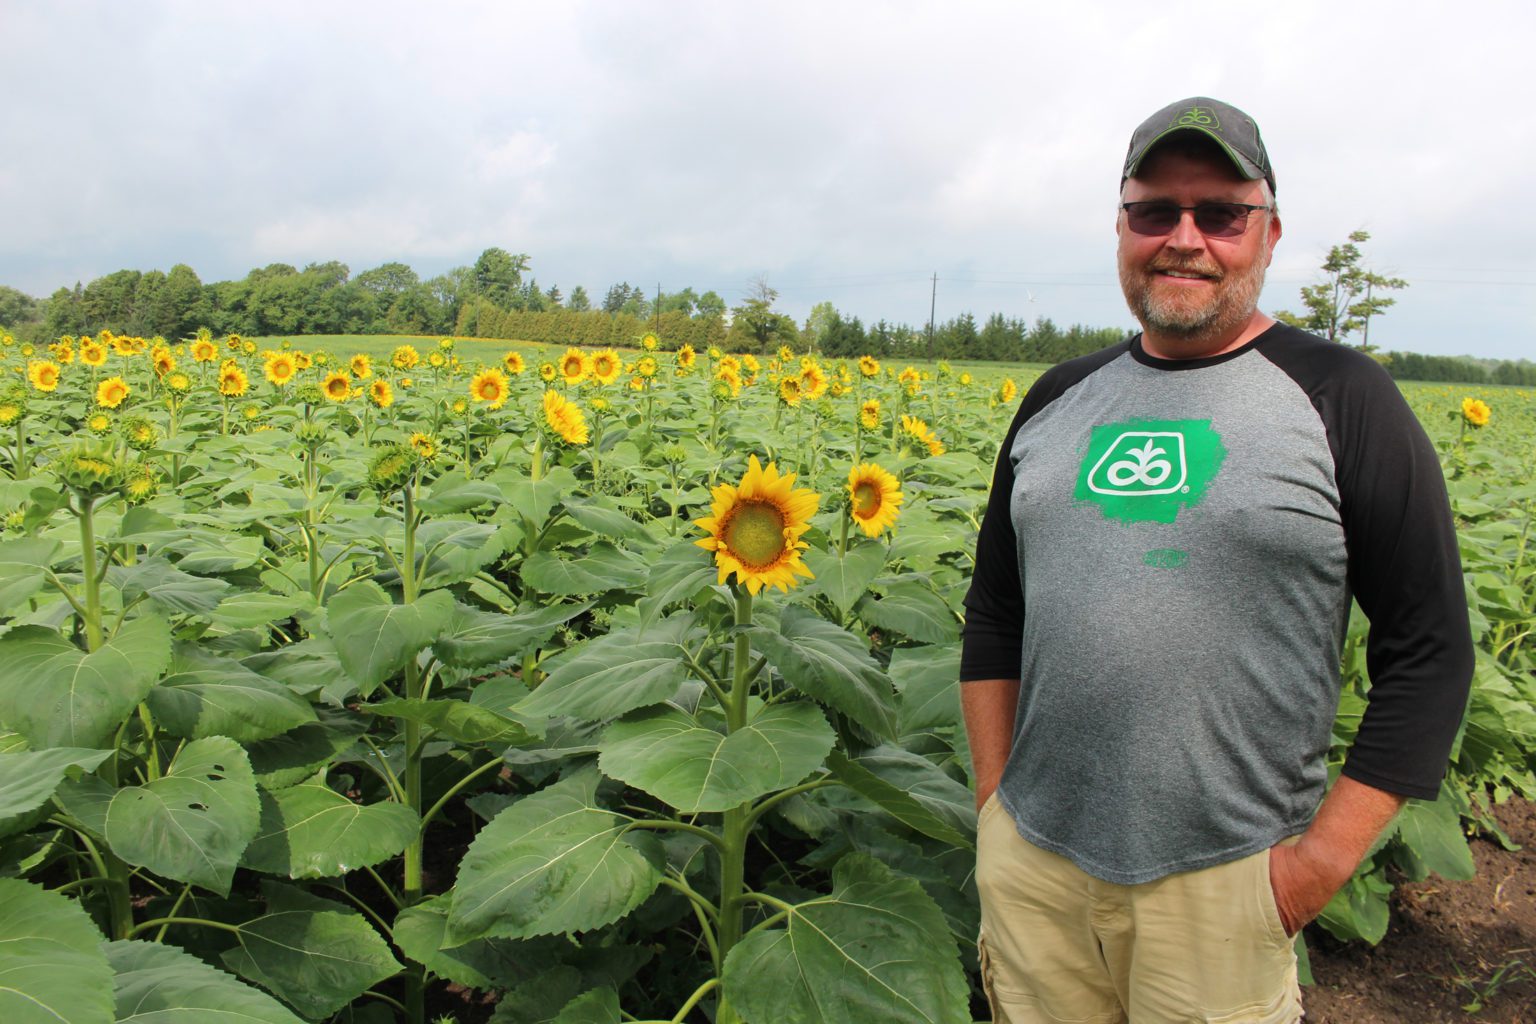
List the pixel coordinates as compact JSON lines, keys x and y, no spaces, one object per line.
{"x":489,"y":386}
{"x":162,"y":361}
{"x":910,"y":379}
{"x":99,"y":423}
{"x":686,"y":357}
{"x":1475,"y":411}
{"x":140,"y":433}
{"x":873,"y":497}
{"x":729,"y":363}
{"x":547,"y":372}
{"x":565,"y":418}
{"x":786,"y":353}
{"x":813,"y":381}
{"x":437,"y":360}
{"x":606,"y":366}
{"x":179,"y":383}
{"x":645,"y":366}
{"x":301,"y":360}
{"x":280,"y":367}
{"x":380,"y":393}
{"x":1008,"y":392}
{"x":425,"y":446}
{"x":232,"y":380}
{"x":10,"y":412}
{"x":730,"y":379}
{"x":204,"y":351}
{"x":513,"y":363}
{"x":749,"y":363}
{"x":869,"y":414}
{"x":869,"y":366}
{"x":919,"y":431}
{"x":248,"y":347}
{"x":93,"y":354}
{"x":405,"y":357}
{"x":637,"y":383}
{"x":123,"y":346}
{"x":575,"y":365}
{"x":112,"y":392}
{"x":649,"y":343}
{"x":43,"y":374}
{"x":337,"y":386}
{"x":140,"y":481}
{"x":62,"y":352}
{"x":361,"y":366}
{"x":755,"y":527}
{"x":789,"y":391}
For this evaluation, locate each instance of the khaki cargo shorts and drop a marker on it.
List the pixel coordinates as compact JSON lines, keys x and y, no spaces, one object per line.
{"x":1059,"y":946}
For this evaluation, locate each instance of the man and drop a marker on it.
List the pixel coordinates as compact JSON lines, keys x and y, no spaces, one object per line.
{"x":1176,"y":528}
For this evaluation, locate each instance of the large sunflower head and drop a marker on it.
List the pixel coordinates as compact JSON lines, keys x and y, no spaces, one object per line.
{"x":645,"y":366}
{"x":361,"y":366}
{"x":869,"y":414}
{"x":869,"y":366}
{"x":204,"y":351}
{"x":606,"y":365}
{"x":178,"y":382}
{"x":813,"y":380}
{"x":280,"y":368}
{"x":161,"y":361}
{"x":575,"y":365}
{"x":874,"y":497}
{"x":111,"y":392}
{"x":380,"y":393}
{"x":405,"y":357}
{"x":489,"y":386}
{"x":337,"y":387}
{"x":565,"y":418}
{"x":513,"y":363}
{"x":755,"y":528}
{"x":789,"y":391}
{"x":686,"y":356}
{"x":1476,"y":412}
{"x":93,"y":353}
{"x":43,"y":374}
{"x":232,"y":381}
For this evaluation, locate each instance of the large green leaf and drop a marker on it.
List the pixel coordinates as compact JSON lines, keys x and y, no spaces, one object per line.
{"x":258,"y":608}
{"x":453,"y":550}
{"x":210,"y":696}
{"x":315,"y":955}
{"x":23,"y":569}
{"x":457,"y":720}
{"x":312,"y":831}
{"x":176,"y":592}
{"x":911,"y":788}
{"x":57,"y":695}
{"x":28,"y":779}
{"x":1359,"y":910}
{"x":294,"y":756}
{"x":667,"y":753}
{"x":677,"y":575}
{"x":452,"y":494}
{"x":829,"y":663}
{"x":193,"y":822}
{"x":420,"y":931}
{"x":928,"y":679}
{"x":877,"y":949}
{"x":533,"y":499}
{"x":607,"y":523}
{"x":539,"y":1000}
{"x":376,"y":637}
{"x":845,"y":579}
{"x":1432,"y":831}
{"x":911,"y":609}
{"x":475,"y":638}
{"x":614,"y":673}
{"x":158,"y":984}
{"x":52,"y":968}
{"x":597,"y":570}
{"x":600,"y":1006}
{"x":553,"y":862}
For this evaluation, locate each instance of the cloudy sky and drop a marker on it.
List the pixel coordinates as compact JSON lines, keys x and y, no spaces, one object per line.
{"x":844,"y":151}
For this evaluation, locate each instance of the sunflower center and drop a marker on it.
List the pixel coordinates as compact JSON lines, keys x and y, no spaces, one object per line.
{"x":866,"y":499}
{"x":755,"y":534}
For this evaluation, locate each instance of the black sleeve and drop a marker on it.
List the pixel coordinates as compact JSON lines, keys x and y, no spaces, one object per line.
{"x":1404,"y":566}
{"x":993,"y":641}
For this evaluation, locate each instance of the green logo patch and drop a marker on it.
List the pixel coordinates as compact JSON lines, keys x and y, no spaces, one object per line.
{"x":1147,"y":470}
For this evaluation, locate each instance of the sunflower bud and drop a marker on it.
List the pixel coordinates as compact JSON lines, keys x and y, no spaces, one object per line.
{"x":91,"y":470}
{"x":309,"y":393}
{"x":393,"y":467}
{"x":311,"y":434}
{"x":140,"y":433}
{"x":140,"y":483}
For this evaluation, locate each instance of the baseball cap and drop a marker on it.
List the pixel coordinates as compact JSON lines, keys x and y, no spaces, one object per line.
{"x":1234,"y":131}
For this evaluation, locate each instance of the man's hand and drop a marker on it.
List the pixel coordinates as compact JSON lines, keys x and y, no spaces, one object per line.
{"x":1304,"y":876}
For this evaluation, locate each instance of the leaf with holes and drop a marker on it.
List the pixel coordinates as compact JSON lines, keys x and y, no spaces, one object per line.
{"x":315,"y":955}
{"x":193,"y":823}
{"x":877,"y":949}
{"x":52,"y":968}
{"x":163,"y":985}
{"x":312,"y":831}
{"x":57,"y":695}
{"x":667,"y":753}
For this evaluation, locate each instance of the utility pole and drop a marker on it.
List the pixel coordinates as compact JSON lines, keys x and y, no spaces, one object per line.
{"x":932,"y":305}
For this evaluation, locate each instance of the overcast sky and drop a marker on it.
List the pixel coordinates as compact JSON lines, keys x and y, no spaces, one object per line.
{"x":845,"y":151}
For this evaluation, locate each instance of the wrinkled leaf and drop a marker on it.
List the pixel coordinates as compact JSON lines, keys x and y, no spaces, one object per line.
{"x":52,"y":968}
{"x":162,"y":985}
{"x":829,"y":663}
{"x":376,"y":637}
{"x":312,"y":831}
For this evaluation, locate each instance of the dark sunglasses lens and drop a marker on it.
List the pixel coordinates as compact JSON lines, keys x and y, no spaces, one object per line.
{"x":1151,"y":218}
{"x":1221,"y":220}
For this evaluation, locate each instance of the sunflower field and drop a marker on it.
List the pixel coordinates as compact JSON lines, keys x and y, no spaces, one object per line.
{"x":476,"y":681}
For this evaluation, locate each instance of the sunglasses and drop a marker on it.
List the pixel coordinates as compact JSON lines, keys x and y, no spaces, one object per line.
{"x":1214,"y":220}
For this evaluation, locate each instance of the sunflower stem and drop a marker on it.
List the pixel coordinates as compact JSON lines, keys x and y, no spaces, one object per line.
{"x":737,"y":825}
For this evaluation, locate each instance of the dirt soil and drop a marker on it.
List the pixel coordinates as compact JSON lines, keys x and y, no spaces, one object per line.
{"x":1455,"y":951}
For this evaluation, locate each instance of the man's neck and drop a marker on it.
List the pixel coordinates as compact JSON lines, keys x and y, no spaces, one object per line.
{"x":1161,"y":346}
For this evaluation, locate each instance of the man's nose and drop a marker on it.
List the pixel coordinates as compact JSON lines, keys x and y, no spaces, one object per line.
{"x":1185,"y":234}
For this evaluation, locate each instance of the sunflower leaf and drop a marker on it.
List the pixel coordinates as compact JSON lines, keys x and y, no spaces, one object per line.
{"x":830,"y":664}
{"x":50,"y":959}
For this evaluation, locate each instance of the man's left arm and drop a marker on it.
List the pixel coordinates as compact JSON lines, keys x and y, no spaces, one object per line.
{"x":1405,"y":572}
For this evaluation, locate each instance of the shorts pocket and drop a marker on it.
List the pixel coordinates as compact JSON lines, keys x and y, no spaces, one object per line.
{"x":1268,"y":908}
{"x":988,"y":808}
{"x":988,"y":987}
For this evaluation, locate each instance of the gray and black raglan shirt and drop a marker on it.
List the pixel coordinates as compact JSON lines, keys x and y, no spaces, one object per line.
{"x":1166,"y":564}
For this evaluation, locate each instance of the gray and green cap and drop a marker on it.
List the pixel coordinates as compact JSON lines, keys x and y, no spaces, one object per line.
{"x":1234,"y":131}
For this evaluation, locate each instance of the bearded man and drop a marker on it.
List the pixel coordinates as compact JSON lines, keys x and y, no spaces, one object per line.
{"x":1176,"y":529}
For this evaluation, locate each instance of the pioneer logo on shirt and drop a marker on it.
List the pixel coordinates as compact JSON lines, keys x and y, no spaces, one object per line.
{"x":1147,"y":470}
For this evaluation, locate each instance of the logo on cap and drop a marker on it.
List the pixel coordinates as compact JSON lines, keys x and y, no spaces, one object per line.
{"x":1198,"y":117}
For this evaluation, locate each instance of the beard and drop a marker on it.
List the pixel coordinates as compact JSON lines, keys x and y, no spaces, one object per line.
{"x":1190,"y":317}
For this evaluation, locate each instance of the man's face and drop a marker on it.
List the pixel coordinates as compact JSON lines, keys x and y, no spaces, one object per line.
{"x":1190,"y":291}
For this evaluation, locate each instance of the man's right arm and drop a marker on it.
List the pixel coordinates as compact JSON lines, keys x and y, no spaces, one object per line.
{"x":989,"y":706}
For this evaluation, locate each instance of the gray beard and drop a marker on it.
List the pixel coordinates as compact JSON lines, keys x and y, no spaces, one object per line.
{"x":1234,"y":304}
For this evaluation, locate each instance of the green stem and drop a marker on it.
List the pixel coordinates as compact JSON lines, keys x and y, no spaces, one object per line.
{"x":782,"y":795}
{"x":668,"y":825}
{"x":693,"y":1000}
{"x":21,"y":449}
{"x":157,"y":922}
{"x":93,"y":635}
{"x":457,"y":787}
{"x":737,"y":824}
